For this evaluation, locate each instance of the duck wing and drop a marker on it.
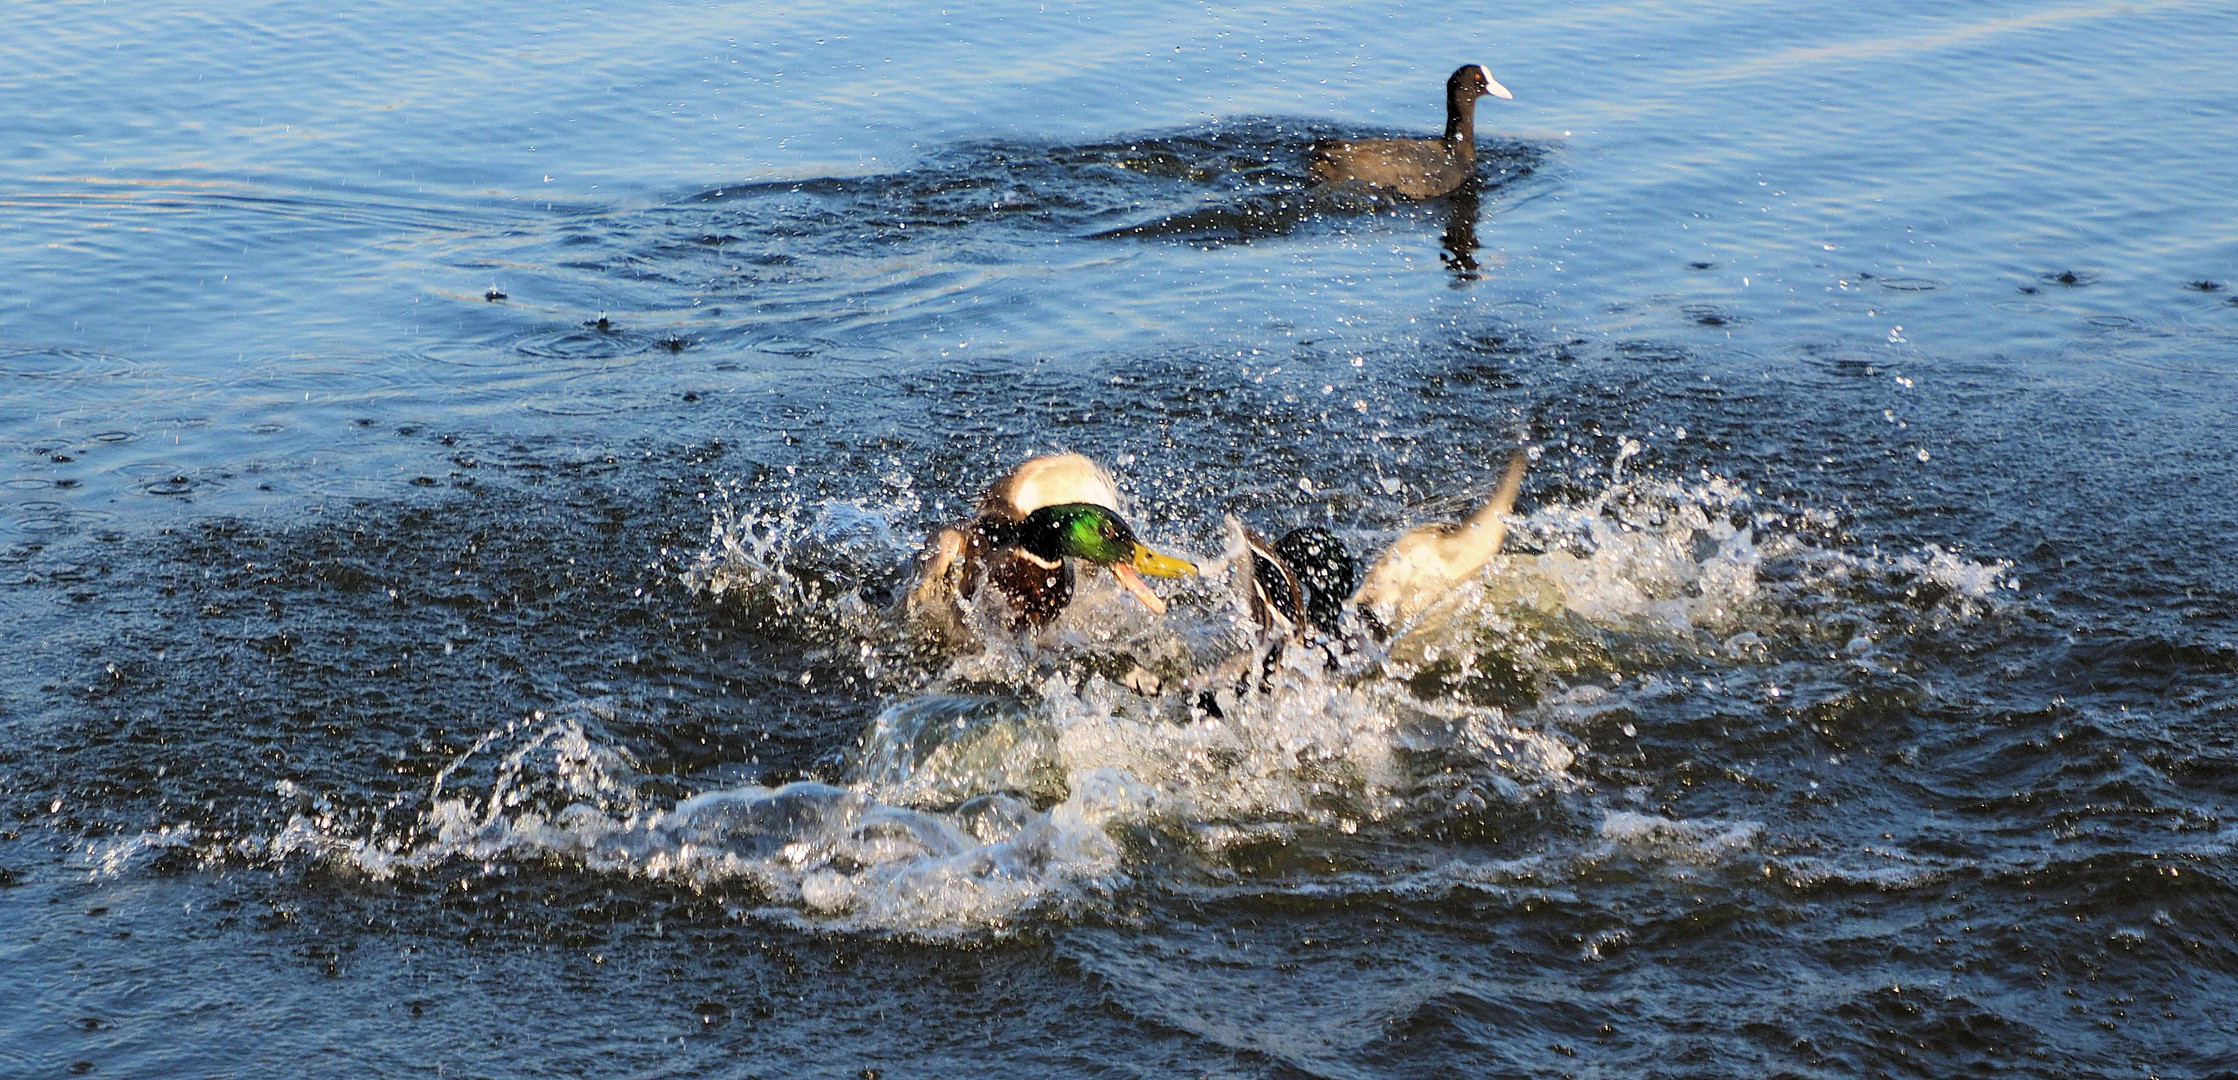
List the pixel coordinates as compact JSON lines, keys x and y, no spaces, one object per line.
{"x":946,"y":576}
{"x":1052,"y":480}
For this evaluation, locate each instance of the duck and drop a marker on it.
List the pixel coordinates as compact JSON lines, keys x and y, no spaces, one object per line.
{"x":1304,"y":585}
{"x":1032,"y":528}
{"x":1296,"y":586}
{"x":1413,"y":168}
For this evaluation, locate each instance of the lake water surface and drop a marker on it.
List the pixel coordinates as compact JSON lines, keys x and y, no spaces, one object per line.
{"x":458,"y":466}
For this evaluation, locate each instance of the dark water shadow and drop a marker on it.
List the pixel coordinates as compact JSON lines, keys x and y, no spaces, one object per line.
{"x":832,"y":255}
{"x":1293,"y":207}
{"x":1459,"y":241}
{"x":1282,"y":213}
{"x":1227,"y":183}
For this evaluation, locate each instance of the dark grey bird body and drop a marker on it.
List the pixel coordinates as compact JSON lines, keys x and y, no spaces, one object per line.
{"x":1413,"y":168}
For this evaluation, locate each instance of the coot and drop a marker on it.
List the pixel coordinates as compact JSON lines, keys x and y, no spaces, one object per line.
{"x":1414,"y":168}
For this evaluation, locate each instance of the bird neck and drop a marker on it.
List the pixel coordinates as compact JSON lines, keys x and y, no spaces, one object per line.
{"x":1460,"y":123}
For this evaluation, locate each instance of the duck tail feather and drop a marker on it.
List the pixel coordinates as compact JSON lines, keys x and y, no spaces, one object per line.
{"x":1428,"y":561}
{"x":1487,"y":529}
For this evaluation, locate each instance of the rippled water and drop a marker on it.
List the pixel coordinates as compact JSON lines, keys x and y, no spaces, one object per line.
{"x":461,"y":464}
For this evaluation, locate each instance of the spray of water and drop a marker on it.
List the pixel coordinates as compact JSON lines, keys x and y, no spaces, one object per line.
{"x":1035,"y":774}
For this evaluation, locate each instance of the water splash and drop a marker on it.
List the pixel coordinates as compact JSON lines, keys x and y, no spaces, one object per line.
{"x":1034,"y":776}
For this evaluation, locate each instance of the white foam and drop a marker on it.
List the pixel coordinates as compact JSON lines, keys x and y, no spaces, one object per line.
{"x":1689,"y":840}
{"x":1650,"y":554}
{"x":1888,"y":873}
{"x":1977,"y":581}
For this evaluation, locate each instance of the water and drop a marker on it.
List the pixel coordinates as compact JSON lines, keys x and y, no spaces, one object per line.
{"x":460,"y":463}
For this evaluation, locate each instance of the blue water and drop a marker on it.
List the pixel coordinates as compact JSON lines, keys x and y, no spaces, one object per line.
{"x":459,"y":462}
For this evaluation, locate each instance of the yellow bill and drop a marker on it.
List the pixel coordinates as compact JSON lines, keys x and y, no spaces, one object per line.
{"x":1156,"y":565}
{"x":1147,"y":561}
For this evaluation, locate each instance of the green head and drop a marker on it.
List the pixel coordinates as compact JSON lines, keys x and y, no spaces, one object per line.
{"x":1096,"y":534}
{"x":1080,"y":530}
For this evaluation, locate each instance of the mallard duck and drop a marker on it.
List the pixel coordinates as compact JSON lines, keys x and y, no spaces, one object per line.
{"x":1302,"y":584}
{"x":1298,"y":584}
{"x":1032,"y":527}
{"x":1414,"y":168}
